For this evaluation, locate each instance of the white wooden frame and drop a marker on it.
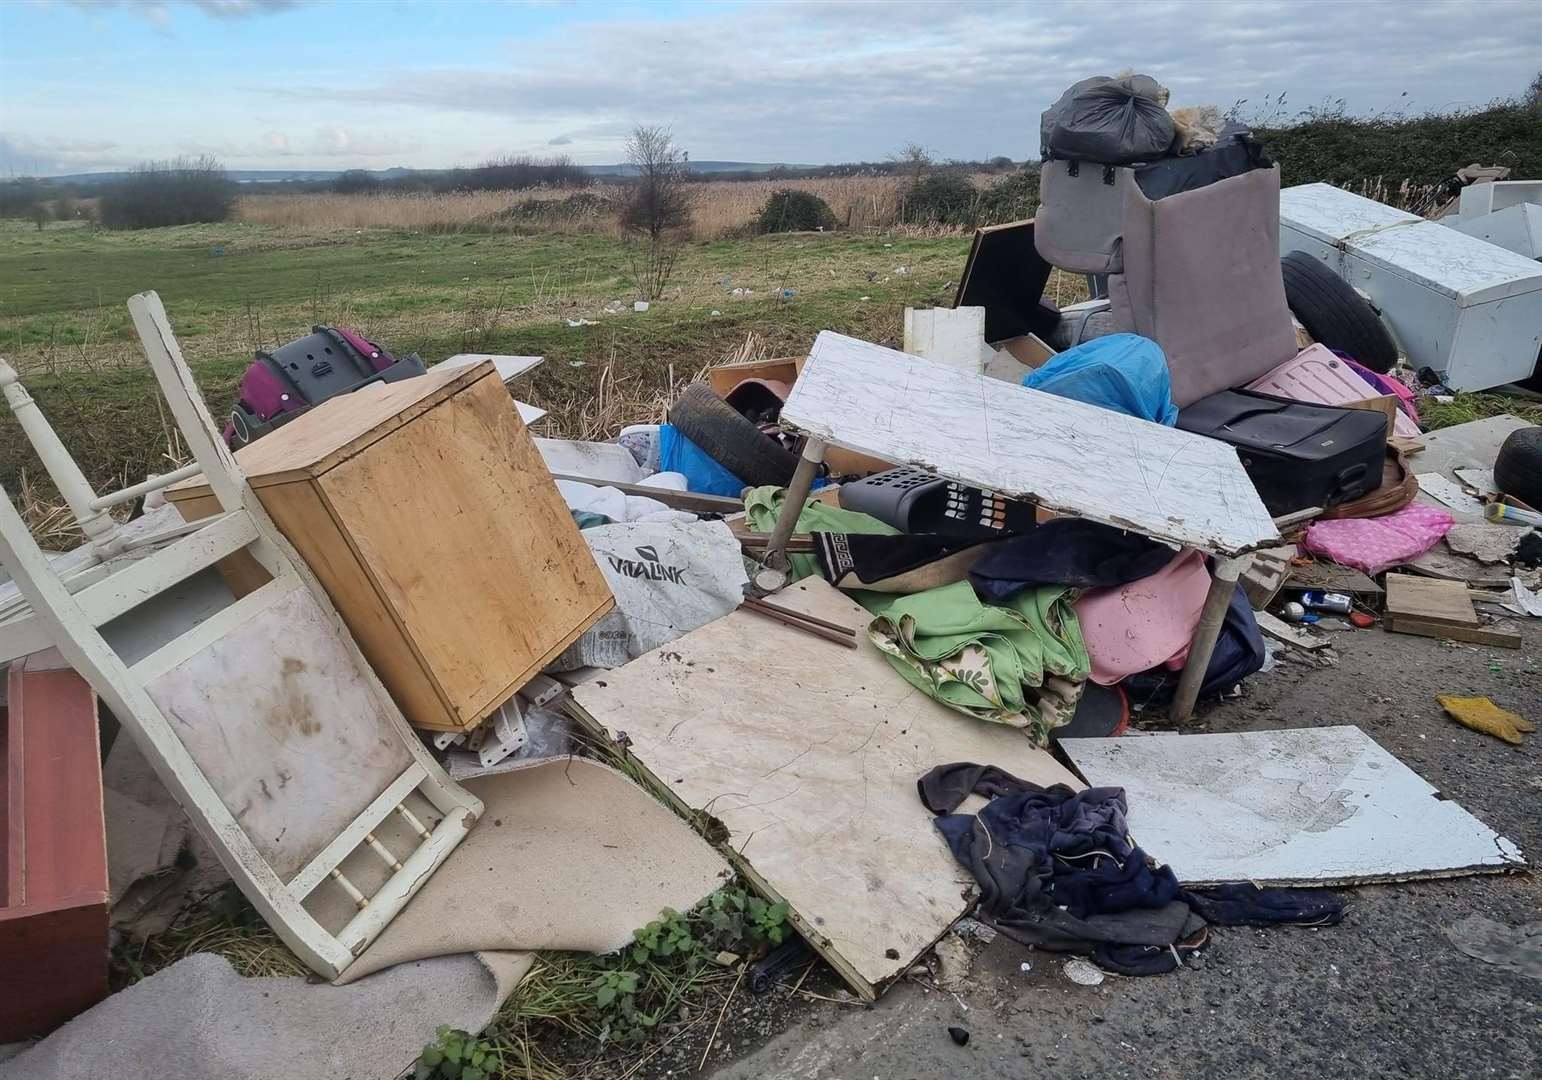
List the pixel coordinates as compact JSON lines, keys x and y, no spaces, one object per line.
{"x":71,"y":621}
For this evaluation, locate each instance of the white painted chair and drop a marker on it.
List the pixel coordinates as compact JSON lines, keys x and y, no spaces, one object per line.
{"x":263,"y":719}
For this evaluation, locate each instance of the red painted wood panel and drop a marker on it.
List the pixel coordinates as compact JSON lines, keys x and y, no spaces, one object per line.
{"x":53,"y":925}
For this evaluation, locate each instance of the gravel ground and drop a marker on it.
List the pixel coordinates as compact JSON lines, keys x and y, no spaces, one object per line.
{"x":1382,"y":994}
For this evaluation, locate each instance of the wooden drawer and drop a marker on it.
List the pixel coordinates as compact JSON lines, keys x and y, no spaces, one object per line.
{"x":426,"y":512}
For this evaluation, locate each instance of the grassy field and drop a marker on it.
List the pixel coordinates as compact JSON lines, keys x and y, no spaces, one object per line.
{"x":235,"y":287}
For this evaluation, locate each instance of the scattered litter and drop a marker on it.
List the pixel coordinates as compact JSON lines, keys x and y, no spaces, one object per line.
{"x":955,"y":960}
{"x":716,"y":312}
{"x":1482,"y":715}
{"x":1512,"y":948}
{"x":973,"y":929}
{"x":580,"y":322}
{"x":1523,"y":601}
{"x":960,"y":1036}
{"x":640,"y":305}
{"x":1083,"y":972}
{"x":1025,"y":967}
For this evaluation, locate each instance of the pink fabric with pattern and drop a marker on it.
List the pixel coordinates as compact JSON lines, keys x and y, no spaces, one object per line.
{"x":1374,"y":544}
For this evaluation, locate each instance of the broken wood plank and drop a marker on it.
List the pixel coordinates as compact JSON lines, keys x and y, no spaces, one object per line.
{"x":1066,"y":456}
{"x":1432,"y":607}
{"x":1429,"y":600}
{"x":1281,"y":630}
{"x":692,"y":501}
{"x":1497,"y":636}
{"x":800,"y":758}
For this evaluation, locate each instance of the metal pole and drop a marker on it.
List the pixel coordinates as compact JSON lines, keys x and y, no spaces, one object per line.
{"x":774,"y":574}
{"x":1222,"y":586}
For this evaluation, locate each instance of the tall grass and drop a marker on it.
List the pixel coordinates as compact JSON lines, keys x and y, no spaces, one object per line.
{"x":720,"y":208}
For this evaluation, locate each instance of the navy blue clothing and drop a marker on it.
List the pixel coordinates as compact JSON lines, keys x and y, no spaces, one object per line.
{"x":1074,"y":552}
{"x":1057,"y":870}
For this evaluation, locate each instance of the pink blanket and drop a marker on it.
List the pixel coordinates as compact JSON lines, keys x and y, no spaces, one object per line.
{"x":1374,"y":544}
{"x":1130,"y":628}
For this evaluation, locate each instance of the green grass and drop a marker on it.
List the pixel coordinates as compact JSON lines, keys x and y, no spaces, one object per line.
{"x":63,"y":323}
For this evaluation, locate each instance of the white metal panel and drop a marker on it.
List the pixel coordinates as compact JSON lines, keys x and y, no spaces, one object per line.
{"x":1480,"y":199}
{"x":1065,"y":455}
{"x":1470,"y":270}
{"x":1515,"y":228}
{"x":1330,"y":214}
{"x":1316,"y":806}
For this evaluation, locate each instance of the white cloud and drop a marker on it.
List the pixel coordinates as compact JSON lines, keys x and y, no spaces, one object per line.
{"x":817,"y":82}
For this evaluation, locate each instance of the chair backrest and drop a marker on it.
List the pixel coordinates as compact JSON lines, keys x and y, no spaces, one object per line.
{"x":261,"y":717}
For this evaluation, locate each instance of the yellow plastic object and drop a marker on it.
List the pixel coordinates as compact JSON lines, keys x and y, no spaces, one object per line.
{"x":1481,"y":714}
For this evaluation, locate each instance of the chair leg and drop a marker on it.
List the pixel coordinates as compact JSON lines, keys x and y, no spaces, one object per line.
{"x":1222,"y":586}
{"x":774,"y":575}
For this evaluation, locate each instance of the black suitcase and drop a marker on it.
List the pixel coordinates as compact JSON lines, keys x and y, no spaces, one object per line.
{"x":1297,"y":454}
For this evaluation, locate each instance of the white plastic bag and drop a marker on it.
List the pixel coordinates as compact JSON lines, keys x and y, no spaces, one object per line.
{"x":668,"y":578}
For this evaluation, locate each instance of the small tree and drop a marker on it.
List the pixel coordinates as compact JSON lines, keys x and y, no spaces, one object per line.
{"x":913,"y":161}
{"x":1533,"y":96}
{"x":40,"y":215}
{"x":177,"y":192}
{"x":657,"y":210}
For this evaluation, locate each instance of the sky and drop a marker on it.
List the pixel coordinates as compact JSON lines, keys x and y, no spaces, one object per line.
{"x":91,"y":85}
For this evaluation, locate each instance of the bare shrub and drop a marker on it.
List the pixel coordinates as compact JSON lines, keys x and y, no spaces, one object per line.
{"x":657,"y":212}
{"x":176,"y":192}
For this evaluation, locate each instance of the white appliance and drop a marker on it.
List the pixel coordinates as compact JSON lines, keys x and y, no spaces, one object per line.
{"x":1490,"y":198}
{"x":1516,"y":228}
{"x":1467,"y":308}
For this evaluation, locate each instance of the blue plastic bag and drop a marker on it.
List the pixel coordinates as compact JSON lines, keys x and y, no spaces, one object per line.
{"x":1123,"y":372}
{"x":702,"y":472}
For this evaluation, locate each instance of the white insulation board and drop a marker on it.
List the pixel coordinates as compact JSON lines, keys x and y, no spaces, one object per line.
{"x":1308,"y":806}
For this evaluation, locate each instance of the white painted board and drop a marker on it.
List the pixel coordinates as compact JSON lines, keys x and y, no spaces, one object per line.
{"x":808,"y":754}
{"x":528,"y":413}
{"x":509,"y":367}
{"x":1064,"y":455}
{"x":952,"y":336}
{"x":607,"y":462}
{"x":278,"y":717}
{"x":1308,"y":806}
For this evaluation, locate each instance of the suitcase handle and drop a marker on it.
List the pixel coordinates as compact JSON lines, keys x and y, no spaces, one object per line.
{"x":1349,"y":477}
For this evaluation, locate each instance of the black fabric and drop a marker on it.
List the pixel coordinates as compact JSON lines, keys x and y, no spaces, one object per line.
{"x":1067,"y":551}
{"x":1239,"y":652}
{"x":852,"y":560}
{"x":1149,"y":959}
{"x":1245,"y":904}
{"x":1231,"y":156}
{"x":1529,"y":551}
{"x":1057,"y":870}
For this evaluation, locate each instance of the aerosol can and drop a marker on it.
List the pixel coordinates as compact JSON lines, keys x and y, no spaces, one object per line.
{"x":1317,"y":600}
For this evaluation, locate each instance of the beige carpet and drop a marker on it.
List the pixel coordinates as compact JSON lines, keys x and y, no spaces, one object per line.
{"x":569,"y":855}
{"x":198,"y":1019}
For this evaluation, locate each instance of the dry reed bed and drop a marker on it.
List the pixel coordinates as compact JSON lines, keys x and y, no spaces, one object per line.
{"x":720,"y":208}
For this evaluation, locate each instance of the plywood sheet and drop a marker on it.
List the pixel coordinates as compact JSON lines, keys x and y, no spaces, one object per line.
{"x":1065,"y":455}
{"x":469,"y":545}
{"x":1310,"y":806}
{"x":1429,"y":600}
{"x":278,"y":718}
{"x":806,"y":754}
